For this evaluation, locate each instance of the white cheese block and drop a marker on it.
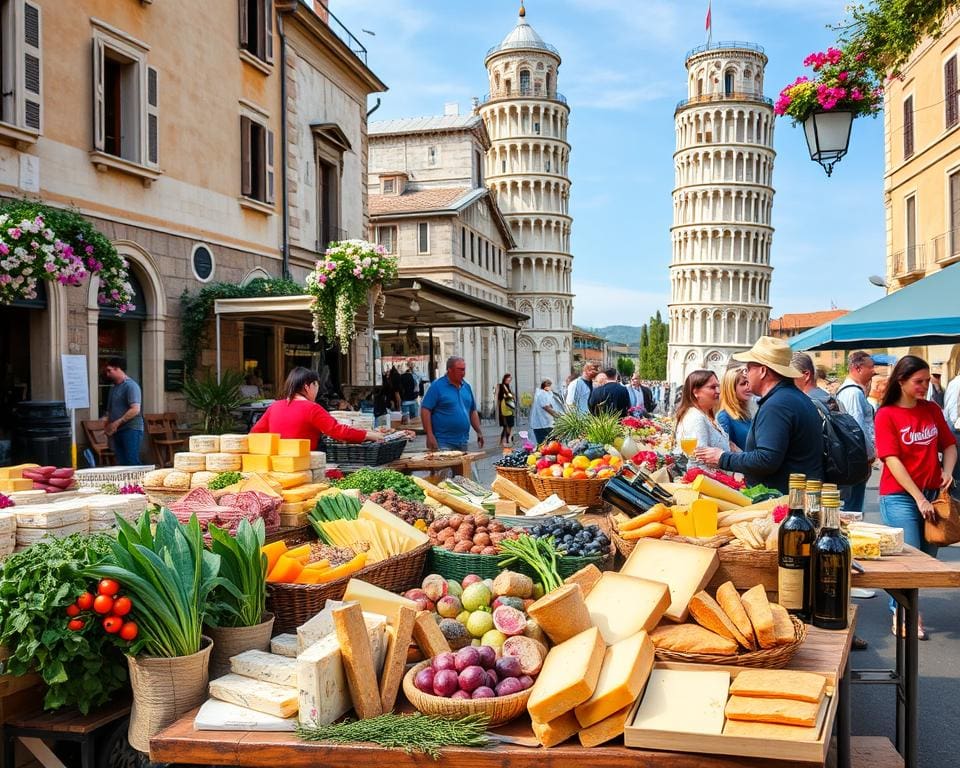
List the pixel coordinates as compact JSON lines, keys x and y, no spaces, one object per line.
{"x":620,"y":606}
{"x":268,"y":667}
{"x":28,"y":536}
{"x":685,"y":568}
{"x":318,"y":459}
{"x":272,"y":699}
{"x":136,"y":502}
{"x":204,"y":443}
{"x":324,"y":692}
{"x":552,"y":505}
{"x":189,"y":462}
{"x":684,"y":701}
{"x":284,"y":645}
{"x":222,"y":716}
{"x":8,"y":522}
{"x":891,"y":539}
{"x":224,"y":462}
{"x":22,"y":498}
{"x":318,"y":475}
{"x":376,"y":599}
{"x":8,"y":541}
{"x":233,"y":444}
{"x":321,"y":625}
{"x":50,"y":516}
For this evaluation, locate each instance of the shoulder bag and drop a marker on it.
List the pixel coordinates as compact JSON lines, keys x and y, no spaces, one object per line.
{"x":945,"y":530}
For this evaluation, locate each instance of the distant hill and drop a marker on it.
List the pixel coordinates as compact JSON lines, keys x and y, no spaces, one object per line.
{"x":621,"y":334}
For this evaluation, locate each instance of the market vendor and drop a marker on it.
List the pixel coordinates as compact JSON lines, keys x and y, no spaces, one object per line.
{"x":297,"y":416}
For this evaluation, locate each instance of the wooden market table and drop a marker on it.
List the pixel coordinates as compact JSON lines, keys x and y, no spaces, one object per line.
{"x":823,"y":651}
{"x":462,"y":464}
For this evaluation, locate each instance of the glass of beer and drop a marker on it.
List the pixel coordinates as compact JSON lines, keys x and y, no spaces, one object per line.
{"x":688,"y":445}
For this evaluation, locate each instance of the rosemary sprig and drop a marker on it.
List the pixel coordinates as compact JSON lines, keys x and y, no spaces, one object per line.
{"x":410,"y":732}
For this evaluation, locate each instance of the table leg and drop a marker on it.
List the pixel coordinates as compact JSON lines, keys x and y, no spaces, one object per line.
{"x":843,"y":719}
{"x":908,"y":672}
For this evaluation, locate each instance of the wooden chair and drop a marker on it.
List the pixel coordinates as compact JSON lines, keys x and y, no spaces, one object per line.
{"x":176,"y":431}
{"x":162,"y":438}
{"x":99,"y":443}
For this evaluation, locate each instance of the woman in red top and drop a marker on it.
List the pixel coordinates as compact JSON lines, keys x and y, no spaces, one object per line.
{"x":911,"y":434}
{"x":297,"y":416}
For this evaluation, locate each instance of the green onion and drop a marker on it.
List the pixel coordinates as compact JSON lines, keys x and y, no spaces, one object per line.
{"x":538,"y":554}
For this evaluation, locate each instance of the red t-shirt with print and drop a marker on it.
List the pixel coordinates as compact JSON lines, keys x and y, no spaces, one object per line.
{"x":915,"y":436}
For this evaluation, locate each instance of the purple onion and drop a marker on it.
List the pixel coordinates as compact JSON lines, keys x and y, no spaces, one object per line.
{"x":461,"y":694}
{"x":466,"y":657}
{"x":483,"y":692}
{"x":472,"y":678}
{"x":526,"y":681}
{"x":506,"y":687}
{"x":424,"y":680}
{"x":508,"y":666}
{"x":445,"y":682}
{"x":445,"y":660}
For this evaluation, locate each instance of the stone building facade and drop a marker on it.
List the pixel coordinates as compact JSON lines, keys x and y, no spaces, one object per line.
{"x":722,"y":203}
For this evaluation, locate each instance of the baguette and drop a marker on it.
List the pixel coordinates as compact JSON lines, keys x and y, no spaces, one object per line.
{"x":755,"y":603}
{"x":444,"y":497}
{"x":729,"y":600}
{"x":782,"y":624}
{"x":692,"y":638}
{"x":710,"y":615}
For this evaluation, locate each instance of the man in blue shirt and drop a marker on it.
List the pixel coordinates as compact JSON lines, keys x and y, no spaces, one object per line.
{"x":448,"y":410}
{"x":123,"y":422}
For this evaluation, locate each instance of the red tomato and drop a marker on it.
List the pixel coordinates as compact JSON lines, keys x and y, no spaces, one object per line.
{"x":122,"y":606}
{"x":73,"y":610}
{"x":128,"y":631}
{"x":103,"y":604}
{"x":112,"y":624}
{"x":85,"y":601}
{"x":75,"y":625}
{"x":108,"y":587}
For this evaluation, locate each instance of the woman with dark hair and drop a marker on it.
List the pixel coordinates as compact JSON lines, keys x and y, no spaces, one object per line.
{"x":911,"y":434}
{"x":506,"y":407}
{"x":696,"y":425}
{"x":297,"y":416}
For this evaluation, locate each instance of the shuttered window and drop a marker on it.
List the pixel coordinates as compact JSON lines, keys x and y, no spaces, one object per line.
{"x":423,"y":238}
{"x":908,"y":127}
{"x":21,"y":65}
{"x":256,"y":28}
{"x":950,"y":91}
{"x":256,"y":160}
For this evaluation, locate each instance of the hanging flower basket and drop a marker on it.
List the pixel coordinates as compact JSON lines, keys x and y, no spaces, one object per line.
{"x":38,"y":242}
{"x":350,"y":273}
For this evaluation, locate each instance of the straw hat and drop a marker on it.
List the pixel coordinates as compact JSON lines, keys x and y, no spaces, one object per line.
{"x":774,"y":353}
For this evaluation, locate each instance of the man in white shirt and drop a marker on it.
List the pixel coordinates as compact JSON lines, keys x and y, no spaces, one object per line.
{"x":852,"y":397}
{"x":578,"y":391}
{"x":951,"y":410}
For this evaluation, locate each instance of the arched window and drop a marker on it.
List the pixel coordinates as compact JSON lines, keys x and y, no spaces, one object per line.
{"x":550,"y":84}
{"x":524,"y":82}
{"x":699,"y":87}
{"x":728,"y":82}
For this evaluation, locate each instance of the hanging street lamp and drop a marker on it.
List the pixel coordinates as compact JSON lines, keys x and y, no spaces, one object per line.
{"x":828,"y":136}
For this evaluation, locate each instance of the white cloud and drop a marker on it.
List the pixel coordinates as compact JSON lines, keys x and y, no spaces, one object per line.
{"x":598,"y":304}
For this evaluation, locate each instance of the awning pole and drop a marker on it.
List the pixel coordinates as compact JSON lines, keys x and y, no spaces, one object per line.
{"x":431,"y":368}
{"x":218,"y":347}
{"x":516,"y":366}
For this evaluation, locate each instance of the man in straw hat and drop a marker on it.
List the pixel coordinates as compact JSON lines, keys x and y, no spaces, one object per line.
{"x":786,"y":435}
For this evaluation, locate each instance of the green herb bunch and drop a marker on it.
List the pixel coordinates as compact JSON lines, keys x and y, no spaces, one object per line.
{"x":81,"y":669}
{"x":539,"y":554}
{"x":223,"y":480}
{"x":368,"y":481}
{"x":241,"y":600}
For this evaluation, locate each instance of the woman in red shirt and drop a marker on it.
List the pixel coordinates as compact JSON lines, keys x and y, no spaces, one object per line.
{"x":297,"y":416}
{"x":911,"y":434}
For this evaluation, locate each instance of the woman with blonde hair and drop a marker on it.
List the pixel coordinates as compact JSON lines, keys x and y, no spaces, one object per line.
{"x":696,"y":415}
{"x":736,"y":406}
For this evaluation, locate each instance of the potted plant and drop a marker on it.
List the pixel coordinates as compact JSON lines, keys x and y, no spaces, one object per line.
{"x":350,"y":273}
{"x":237,"y":619}
{"x":216,"y":401}
{"x":168,"y":576}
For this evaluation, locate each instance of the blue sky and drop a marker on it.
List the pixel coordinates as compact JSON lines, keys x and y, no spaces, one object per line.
{"x":623,"y":72}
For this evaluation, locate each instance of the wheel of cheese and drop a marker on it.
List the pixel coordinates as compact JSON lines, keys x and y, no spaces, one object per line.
{"x":136,"y":503}
{"x":177,"y":481}
{"x":189,"y":462}
{"x":224,"y":462}
{"x":200,"y":479}
{"x":234,"y":444}
{"x":204,"y":443}
{"x":155,"y":478}
{"x":318,"y":459}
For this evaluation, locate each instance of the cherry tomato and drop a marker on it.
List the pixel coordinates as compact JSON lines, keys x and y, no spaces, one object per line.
{"x":128,"y":631}
{"x":122,"y":606}
{"x":73,"y":610}
{"x":85,"y":601}
{"x":112,"y":624}
{"x":75,"y":625}
{"x":103,"y":604}
{"x":108,"y":587}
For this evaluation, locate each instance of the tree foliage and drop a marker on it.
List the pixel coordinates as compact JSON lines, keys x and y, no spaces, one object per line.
{"x":626,"y":366}
{"x":654,"y":337}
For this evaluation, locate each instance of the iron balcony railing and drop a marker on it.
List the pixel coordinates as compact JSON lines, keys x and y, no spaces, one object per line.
{"x":724,"y":44}
{"x":909,"y":261}
{"x":733,"y":96}
{"x":522,"y":45}
{"x":340,"y":30}
{"x":512,"y":93}
{"x":946,"y":248}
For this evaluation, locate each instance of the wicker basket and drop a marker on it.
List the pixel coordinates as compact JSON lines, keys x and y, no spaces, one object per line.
{"x":500,"y":709}
{"x":294,"y":604}
{"x":97,"y":476}
{"x":519,"y":476}
{"x":585,"y":493}
{"x":766,"y":658}
{"x":363,"y":454}
{"x":457,"y":565}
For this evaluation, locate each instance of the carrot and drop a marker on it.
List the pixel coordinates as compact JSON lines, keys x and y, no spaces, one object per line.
{"x":650,"y":530}
{"x":273,"y":552}
{"x":285,"y":571}
{"x":655,"y":514}
{"x":669,"y":522}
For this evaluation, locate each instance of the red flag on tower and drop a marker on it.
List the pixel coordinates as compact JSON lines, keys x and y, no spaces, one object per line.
{"x":708,"y":26}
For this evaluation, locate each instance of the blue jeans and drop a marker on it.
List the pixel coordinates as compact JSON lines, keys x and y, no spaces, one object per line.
{"x":126,"y":446}
{"x":854,"y":500}
{"x":410,"y":408}
{"x":541,"y":434}
{"x":899,"y":510}
{"x":442,"y":446}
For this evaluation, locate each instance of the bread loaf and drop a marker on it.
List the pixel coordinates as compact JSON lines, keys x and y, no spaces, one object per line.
{"x":755,"y":603}
{"x":780,"y":684}
{"x":782,"y":624}
{"x":692,"y":638}
{"x":708,"y":613}
{"x":779,"y":711}
{"x":729,"y":600}
{"x":770,"y":731}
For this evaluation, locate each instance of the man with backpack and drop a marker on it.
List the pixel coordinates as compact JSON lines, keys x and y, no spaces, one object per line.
{"x":852,"y":397}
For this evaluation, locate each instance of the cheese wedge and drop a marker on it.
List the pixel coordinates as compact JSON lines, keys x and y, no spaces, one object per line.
{"x":291,"y":479}
{"x":685,"y":568}
{"x":626,"y":667}
{"x":376,"y":599}
{"x":568,"y":677}
{"x":608,"y":728}
{"x":284,"y":645}
{"x":555,"y":731}
{"x":620,"y":606}
{"x":269,"y":698}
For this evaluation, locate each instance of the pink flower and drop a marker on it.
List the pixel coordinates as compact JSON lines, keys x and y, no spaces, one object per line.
{"x":15,"y":232}
{"x":88,"y":250}
{"x":5,"y":279}
{"x":856,"y":95}
{"x":322,"y":279}
{"x":842,"y":76}
{"x":860,"y":56}
{"x":50,"y":267}
{"x":331,"y":265}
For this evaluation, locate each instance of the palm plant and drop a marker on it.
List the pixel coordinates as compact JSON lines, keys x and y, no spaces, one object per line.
{"x":569,"y":425}
{"x":216,"y":401}
{"x":603,"y":427}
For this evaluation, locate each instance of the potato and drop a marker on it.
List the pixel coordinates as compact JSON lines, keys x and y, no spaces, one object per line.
{"x":462,"y":546}
{"x":489,"y":551}
{"x":482,"y":538}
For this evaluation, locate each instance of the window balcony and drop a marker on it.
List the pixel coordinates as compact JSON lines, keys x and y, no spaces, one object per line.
{"x":526,"y":92}
{"x":732,"y":96}
{"x":946,"y":248}
{"x":910,"y":263}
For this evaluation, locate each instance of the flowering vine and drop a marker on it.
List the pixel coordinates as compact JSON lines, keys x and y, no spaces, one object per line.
{"x":843,"y":82}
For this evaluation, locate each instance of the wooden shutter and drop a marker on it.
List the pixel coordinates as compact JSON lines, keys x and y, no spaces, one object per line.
{"x":908,"y":127}
{"x":153,"y":117}
{"x":950,"y":90}
{"x":30,"y":78}
{"x":268,"y":196}
{"x":268,"y":31}
{"x":98,"y":116}
{"x":244,"y":24}
{"x":246,"y":157}
{"x":955,"y":213}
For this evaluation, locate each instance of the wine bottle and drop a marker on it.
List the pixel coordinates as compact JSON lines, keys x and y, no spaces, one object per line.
{"x":830,"y":567}
{"x":812,"y":504}
{"x":793,"y":557}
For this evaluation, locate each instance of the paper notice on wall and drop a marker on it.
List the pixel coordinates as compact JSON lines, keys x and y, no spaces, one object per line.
{"x":76,"y":389}
{"x":29,"y":172}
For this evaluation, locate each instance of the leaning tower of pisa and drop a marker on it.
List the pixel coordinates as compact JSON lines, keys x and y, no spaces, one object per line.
{"x":527,"y":170}
{"x":722,"y":202}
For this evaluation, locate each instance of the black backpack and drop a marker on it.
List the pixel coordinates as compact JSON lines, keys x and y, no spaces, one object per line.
{"x":844,"y":448}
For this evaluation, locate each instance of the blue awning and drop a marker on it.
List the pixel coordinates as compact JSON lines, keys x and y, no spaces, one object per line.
{"x":926,"y":312}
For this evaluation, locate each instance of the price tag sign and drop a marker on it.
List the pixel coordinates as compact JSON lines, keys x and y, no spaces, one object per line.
{"x":76,"y":389}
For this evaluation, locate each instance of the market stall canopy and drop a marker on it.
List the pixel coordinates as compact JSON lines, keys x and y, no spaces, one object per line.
{"x":926,"y":312}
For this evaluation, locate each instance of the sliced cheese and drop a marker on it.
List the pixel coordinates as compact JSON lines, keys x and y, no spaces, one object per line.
{"x":555,"y":731}
{"x":263,"y":443}
{"x":626,"y":667}
{"x":411,"y":536}
{"x":322,"y":624}
{"x":284,"y":645}
{"x":293,"y":447}
{"x":608,"y":728}
{"x":684,"y":568}
{"x":234,"y":444}
{"x":15,"y":484}
{"x":621,"y":605}
{"x":289,"y":463}
{"x":268,"y":667}
{"x":255,"y":462}
{"x":258,"y":483}
{"x":704,"y":513}
{"x":684,"y":701}
{"x":376,"y":599}
{"x":269,"y":698}
{"x":568,"y":677}
{"x":221,"y":716}
{"x":301,"y":493}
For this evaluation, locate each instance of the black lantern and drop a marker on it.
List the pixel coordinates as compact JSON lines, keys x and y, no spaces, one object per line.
{"x":828,"y":135}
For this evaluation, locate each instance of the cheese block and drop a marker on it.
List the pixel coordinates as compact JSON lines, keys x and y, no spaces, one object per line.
{"x":260,"y":485}
{"x":704,"y":514}
{"x":322,"y":624}
{"x":555,"y":731}
{"x":269,"y":698}
{"x":293,"y":447}
{"x":779,"y":711}
{"x":608,"y":728}
{"x":200,"y":479}
{"x":587,"y":577}
{"x":224,"y":462}
{"x":8,"y":541}
{"x":684,"y":701}
{"x":216,"y":715}
{"x":204,"y":443}
{"x":50,"y":516}
{"x":318,"y":475}
{"x":268,"y":667}
{"x":189,"y":462}
{"x":891,"y":539}
{"x":324,"y":695}
{"x":234,"y":444}
{"x":8,"y":522}
{"x":301,"y":493}
{"x":291,"y":479}
{"x":779,"y":684}
{"x":16,"y":484}
{"x":684,"y":568}
{"x":358,"y":661}
{"x":626,"y":667}
{"x":251,"y":462}
{"x":22,"y":498}
{"x":318,"y":459}
{"x":568,"y":677}
{"x":621,"y":605}
{"x":263,"y":443}
{"x":427,"y":635}
{"x":289,"y":463}
{"x":284,"y":645}
{"x":394,"y":665}
{"x":770,"y":731}
{"x":15,"y":472}
{"x":710,"y":487}
{"x":865,"y":545}
{"x":377,"y":514}
{"x":376,"y":599}
{"x":178,"y":480}
{"x":28,"y":536}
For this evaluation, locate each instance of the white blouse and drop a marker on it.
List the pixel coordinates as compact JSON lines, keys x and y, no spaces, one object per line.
{"x":696,"y":424}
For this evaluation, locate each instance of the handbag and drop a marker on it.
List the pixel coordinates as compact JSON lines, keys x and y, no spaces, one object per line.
{"x":505,"y":407}
{"x":945,"y":530}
